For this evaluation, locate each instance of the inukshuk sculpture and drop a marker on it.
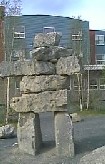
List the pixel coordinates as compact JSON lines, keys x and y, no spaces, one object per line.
{"x":45,"y":87}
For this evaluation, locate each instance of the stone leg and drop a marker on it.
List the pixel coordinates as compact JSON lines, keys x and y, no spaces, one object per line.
{"x":29,"y":133}
{"x":64,"y":134}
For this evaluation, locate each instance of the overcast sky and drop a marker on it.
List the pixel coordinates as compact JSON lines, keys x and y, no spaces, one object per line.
{"x":90,"y":10}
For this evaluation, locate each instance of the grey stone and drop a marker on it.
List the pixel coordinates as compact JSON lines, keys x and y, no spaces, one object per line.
{"x":51,"y":53}
{"x":97,"y":156}
{"x":30,"y":84}
{"x":7,"y":131}
{"x":49,"y":39}
{"x":26,"y":68}
{"x":46,"y":68}
{"x":41,"y":102}
{"x":67,"y":66}
{"x":29,"y":133}
{"x":42,"y":53}
{"x":76,"y":117}
{"x":64,"y":134}
{"x":59,"y":52}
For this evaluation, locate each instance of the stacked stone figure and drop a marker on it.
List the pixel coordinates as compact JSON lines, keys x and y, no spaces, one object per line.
{"x":45,"y":87}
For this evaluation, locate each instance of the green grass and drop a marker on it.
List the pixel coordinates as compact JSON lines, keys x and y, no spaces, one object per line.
{"x":91,"y":112}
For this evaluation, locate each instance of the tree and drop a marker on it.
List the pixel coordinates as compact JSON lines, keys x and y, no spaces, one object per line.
{"x":11,"y":9}
{"x":77,"y":42}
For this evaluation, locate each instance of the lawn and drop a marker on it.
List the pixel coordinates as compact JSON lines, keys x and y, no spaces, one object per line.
{"x":91,"y":112}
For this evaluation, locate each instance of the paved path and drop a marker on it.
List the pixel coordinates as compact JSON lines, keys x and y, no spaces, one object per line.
{"x":88,"y":135}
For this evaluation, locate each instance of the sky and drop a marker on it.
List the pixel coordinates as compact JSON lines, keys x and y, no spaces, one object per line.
{"x":90,"y":10}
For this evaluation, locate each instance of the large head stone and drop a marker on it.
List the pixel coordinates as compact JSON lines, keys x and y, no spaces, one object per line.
{"x":46,"y":40}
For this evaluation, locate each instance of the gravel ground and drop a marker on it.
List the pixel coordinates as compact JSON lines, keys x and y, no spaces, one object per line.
{"x":88,"y":135}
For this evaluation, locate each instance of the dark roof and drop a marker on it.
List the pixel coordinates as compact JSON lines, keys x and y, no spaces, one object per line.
{"x":48,"y":15}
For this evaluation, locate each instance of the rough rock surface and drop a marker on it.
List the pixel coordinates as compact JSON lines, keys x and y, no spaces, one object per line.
{"x":75,"y":117}
{"x":7,"y":131}
{"x":35,"y":84}
{"x":49,"y":39}
{"x":63,"y":66}
{"x":26,"y":68}
{"x":44,"y":68}
{"x":51,"y":53}
{"x":64,"y":134}
{"x":41,"y":102}
{"x":67,"y":66}
{"x":97,"y":156}
{"x":44,"y":89}
{"x":29,"y":133}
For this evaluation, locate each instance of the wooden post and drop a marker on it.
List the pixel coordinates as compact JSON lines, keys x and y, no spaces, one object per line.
{"x":8,"y":98}
{"x":81,"y":93}
{"x":88,"y":91}
{"x":79,"y":78}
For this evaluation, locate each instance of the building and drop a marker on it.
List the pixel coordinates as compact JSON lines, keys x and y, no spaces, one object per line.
{"x":95,"y":70}
{"x":97,"y":47}
{"x":89,"y":87}
{"x":20,"y":31}
{"x":89,"y":45}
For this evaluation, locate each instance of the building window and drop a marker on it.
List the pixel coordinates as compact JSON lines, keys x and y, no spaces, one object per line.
{"x":19,"y":32}
{"x":99,"y":40}
{"x":77,"y":36}
{"x":17,"y":84}
{"x":93,"y":84}
{"x":102,"y":84}
{"x":18,"y":55}
{"x":75,"y":84}
{"x":100,"y":58}
{"x":48,"y":29}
